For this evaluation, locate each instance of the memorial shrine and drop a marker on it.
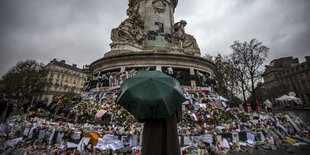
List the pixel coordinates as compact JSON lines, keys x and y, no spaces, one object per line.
{"x":150,"y":39}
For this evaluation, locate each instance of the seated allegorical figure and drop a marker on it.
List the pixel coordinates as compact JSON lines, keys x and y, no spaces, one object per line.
{"x":184,"y":40}
{"x":130,"y":30}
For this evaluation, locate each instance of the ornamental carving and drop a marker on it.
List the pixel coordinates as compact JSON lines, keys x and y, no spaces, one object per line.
{"x":130,"y":30}
{"x":159,"y":6}
{"x":132,"y":3}
{"x":182,"y":40}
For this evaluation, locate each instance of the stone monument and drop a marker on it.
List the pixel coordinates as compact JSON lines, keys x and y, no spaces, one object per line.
{"x":149,"y":37}
{"x":150,"y":26}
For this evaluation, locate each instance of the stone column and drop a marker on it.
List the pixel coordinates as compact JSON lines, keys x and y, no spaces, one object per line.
{"x":158,"y":20}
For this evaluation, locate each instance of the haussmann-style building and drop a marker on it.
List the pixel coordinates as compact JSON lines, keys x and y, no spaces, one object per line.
{"x":285,"y":75}
{"x":61,"y":78}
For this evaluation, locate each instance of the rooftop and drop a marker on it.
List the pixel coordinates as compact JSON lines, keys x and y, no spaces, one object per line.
{"x":62,"y":63}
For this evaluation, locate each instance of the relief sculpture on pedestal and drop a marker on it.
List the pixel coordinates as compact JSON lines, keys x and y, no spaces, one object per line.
{"x":182,"y":40}
{"x":130,"y":30}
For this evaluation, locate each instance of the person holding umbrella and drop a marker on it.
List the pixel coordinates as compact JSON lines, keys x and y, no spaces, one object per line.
{"x":154,"y":98}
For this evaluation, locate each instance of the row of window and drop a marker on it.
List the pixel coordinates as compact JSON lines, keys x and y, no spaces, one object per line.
{"x":79,"y":82}
{"x":59,"y":75}
{"x":291,"y":85}
{"x":63,"y":88}
{"x":66,"y":71}
{"x":295,"y":69}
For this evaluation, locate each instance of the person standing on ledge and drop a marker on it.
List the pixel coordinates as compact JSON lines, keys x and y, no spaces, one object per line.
{"x":160,"y":136}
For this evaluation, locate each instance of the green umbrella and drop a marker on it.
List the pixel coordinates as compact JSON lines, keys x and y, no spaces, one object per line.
{"x":151,"y":94}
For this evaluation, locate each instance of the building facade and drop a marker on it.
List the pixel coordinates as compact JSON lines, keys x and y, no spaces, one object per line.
{"x":61,"y":78}
{"x":286,"y":75}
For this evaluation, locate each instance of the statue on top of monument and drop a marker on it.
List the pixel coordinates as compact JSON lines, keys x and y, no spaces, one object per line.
{"x":130,"y":30}
{"x":183,"y":40}
{"x":159,"y":6}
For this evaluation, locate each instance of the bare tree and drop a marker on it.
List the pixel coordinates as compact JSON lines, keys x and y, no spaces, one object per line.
{"x":226,"y":76}
{"x":240,"y":77}
{"x":221,"y":75}
{"x":250,"y":56}
{"x":209,"y":57}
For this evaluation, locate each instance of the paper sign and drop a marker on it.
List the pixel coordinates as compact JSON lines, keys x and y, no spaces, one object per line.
{"x":277,"y":132}
{"x":225,"y":143}
{"x":76,"y":135}
{"x":250,"y":137}
{"x":187,"y":140}
{"x":116,"y":145}
{"x":41,"y":134}
{"x":224,"y":104}
{"x":242,"y":144}
{"x":219,"y":138}
{"x":133,"y":140}
{"x":51,"y":136}
{"x":293,"y":123}
{"x":271,"y":140}
{"x":208,"y":138}
{"x":101,"y":144}
{"x":71,"y":145}
{"x":15,"y":141}
{"x":235,"y":137}
{"x":83,"y":143}
{"x":125,"y":140}
{"x":59,"y":137}
{"x":183,"y":107}
{"x":196,"y":106}
{"x":100,"y":113}
{"x":193,"y":117}
{"x":262,"y":137}
{"x":203,"y":105}
{"x":26,"y":131}
{"x":31,"y":132}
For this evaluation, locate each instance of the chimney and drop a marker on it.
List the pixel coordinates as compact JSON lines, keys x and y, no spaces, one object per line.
{"x":296,"y":60}
{"x":63,"y":61}
{"x":54,"y":60}
{"x":307,"y":58}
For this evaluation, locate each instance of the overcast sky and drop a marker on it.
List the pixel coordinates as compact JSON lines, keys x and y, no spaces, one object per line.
{"x":79,"y":30}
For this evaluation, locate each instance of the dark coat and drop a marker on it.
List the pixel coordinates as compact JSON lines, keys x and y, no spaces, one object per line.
{"x":160,"y":136}
{"x":3,"y":106}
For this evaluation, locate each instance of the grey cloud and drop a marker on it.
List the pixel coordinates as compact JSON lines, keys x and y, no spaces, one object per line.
{"x":283,"y":25}
{"x":79,"y":30}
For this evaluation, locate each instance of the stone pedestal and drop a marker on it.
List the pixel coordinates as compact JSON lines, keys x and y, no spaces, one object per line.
{"x":150,"y":38}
